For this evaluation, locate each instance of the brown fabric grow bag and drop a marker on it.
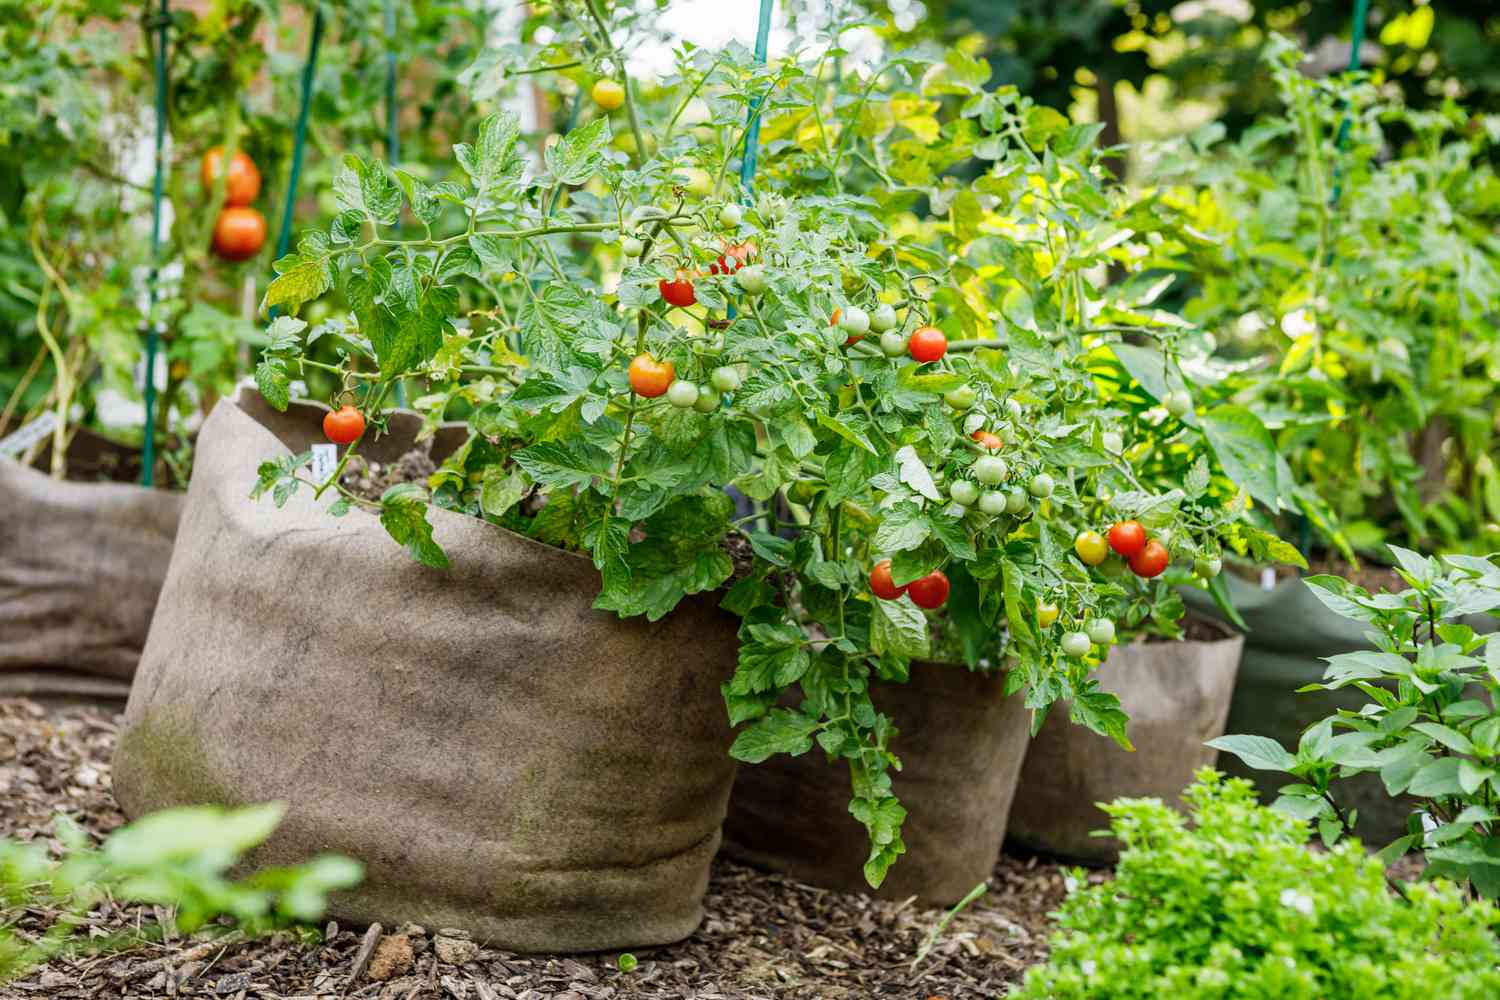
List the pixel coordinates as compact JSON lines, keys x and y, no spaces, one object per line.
{"x":1177,"y":696}
{"x":81,"y":564}
{"x":960,"y":743}
{"x":502,"y":757}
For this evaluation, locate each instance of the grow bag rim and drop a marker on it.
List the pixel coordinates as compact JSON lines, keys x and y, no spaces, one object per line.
{"x":437,"y":512}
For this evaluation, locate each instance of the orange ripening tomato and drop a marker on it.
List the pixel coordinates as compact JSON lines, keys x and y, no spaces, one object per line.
{"x":927,"y":344}
{"x":678,"y":292}
{"x":881,"y":583}
{"x":344,"y":425}
{"x":1151,"y":560}
{"x":930,"y":592}
{"x":734,"y":257}
{"x":649,"y":377}
{"x":988,"y":439}
{"x":1127,"y":538}
{"x":240,"y":233}
{"x":241,"y":186}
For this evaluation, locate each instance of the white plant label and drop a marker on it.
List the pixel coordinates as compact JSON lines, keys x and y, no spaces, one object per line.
{"x":325,"y":458}
{"x":1268,"y":579}
{"x":28,"y":434}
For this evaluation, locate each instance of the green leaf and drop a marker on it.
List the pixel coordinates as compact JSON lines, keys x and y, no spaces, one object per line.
{"x":403,"y":512}
{"x":493,"y":159}
{"x":298,"y":281}
{"x":903,"y":527}
{"x":1245,"y":451}
{"x":1259,"y":752}
{"x":899,"y":628}
{"x":273,"y":382}
{"x":781,"y":731}
{"x":577,"y":156}
{"x":564,"y":464}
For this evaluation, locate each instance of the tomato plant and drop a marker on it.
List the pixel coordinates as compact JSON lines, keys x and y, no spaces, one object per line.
{"x":940,"y":479}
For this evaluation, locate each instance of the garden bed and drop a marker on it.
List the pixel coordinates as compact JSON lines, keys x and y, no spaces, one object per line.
{"x":765,"y":936}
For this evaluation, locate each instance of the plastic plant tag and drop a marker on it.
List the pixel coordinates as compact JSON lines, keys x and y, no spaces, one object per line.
{"x":325,"y":458}
{"x":1268,"y":579}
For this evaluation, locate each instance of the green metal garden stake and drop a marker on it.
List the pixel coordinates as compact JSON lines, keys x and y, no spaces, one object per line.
{"x":161,"y":22}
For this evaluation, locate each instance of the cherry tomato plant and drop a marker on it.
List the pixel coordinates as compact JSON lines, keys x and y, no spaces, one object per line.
{"x":909,"y":501}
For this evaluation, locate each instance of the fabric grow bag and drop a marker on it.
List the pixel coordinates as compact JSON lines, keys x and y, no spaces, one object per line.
{"x":81,"y":564}
{"x":1177,"y":696}
{"x":960,"y":742}
{"x":502,"y":757}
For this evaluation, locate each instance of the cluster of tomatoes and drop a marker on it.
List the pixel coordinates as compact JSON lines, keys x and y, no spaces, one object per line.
{"x":1146,"y":558}
{"x":651,"y":378}
{"x":930,"y":591}
{"x":991,"y":471}
{"x":240,"y":231}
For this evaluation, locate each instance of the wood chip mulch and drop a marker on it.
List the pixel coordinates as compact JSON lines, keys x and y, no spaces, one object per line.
{"x":765,"y":937}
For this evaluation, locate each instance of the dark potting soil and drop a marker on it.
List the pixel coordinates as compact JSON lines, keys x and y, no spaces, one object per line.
{"x":765,"y":937}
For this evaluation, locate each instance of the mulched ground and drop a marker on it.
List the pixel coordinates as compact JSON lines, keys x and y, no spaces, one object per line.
{"x":765,"y":936}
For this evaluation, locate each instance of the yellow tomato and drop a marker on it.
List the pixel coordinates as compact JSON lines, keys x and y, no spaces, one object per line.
{"x":609,"y":95}
{"x":1091,"y":547}
{"x":1046,"y":614}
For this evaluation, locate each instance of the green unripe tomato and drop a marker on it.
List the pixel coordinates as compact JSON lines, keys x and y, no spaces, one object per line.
{"x":992,"y":502}
{"x":697,"y":180}
{"x":752,"y":279}
{"x":1101,"y":631}
{"x":883,"y":318}
{"x":854,"y":321}
{"x":772,"y":207}
{"x":1112,"y":441}
{"x":1208,"y":567}
{"x":1179,"y":403}
{"x":1076,"y":645}
{"x":892,"y":344}
{"x":731,"y":214}
{"x":725,"y":379}
{"x":682,"y":393}
{"x":964,"y":493}
{"x":1015,"y":501}
{"x":1114,"y":566}
{"x":708,"y":401}
{"x":1041,"y":486}
{"x":961,"y":398}
{"x":632,"y":247}
{"x":990,"y":469}
{"x":1014,"y":408}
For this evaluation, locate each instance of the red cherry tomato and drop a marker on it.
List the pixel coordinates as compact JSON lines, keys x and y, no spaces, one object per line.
{"x":931,"y":591}
{"x":649,"y":377}
{"x":734,"y":257}
{"x":927,"y":344}
{"x":344,"y":425}
{"x":1150,"y":561}
{"x":243,"y":182}
{"x":1127,"y":538}
{"x":240,"y":233}
{"x":679,"y":292}
{"x":988,"y":439}
{"x":881,"y":584}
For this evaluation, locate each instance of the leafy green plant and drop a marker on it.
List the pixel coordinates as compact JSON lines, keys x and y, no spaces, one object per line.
{"x":1236,"y":905}
{"x":1357,"y":286}
{"x":924,"y":408}
{"x":1430,"y":729}
{"x":177,"y":858}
